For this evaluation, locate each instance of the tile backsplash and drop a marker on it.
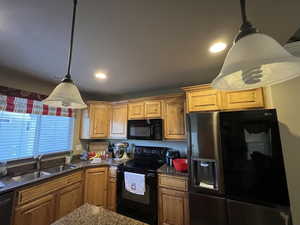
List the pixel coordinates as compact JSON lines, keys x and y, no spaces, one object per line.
{"x":180,"y":146}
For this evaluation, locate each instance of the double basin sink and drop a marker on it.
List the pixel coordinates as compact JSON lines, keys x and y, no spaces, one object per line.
{"x":37,"y":174}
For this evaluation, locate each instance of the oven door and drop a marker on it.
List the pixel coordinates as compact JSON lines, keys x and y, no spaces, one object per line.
{"x":140,"y":207}
{"x":145,"y":129}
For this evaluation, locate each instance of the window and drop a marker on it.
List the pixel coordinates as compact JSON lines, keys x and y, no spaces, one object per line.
{"x":26,"y":135}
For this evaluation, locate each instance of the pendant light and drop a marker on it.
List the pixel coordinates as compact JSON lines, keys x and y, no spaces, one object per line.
{"x":66,"y":94}
{"x":255,"y":60}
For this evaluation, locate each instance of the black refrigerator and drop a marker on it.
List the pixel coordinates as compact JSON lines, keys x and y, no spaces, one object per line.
{"x":236,"y":169}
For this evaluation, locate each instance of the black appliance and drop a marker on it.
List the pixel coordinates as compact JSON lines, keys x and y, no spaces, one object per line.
{"x":145,"y":129}
{"x":237,"y":173}
{"x":171,"y":155}
{"x":141,"y":207}
{"x":6,"y":201}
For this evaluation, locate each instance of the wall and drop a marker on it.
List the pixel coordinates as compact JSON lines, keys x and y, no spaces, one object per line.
{"x":285,"y":98}
{"x":17,"y":80}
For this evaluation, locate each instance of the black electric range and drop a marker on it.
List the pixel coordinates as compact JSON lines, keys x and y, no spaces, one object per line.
{"x":141,"y":207}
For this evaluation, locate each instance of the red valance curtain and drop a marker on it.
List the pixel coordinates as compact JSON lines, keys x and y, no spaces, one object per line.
{"x":14,"y":100}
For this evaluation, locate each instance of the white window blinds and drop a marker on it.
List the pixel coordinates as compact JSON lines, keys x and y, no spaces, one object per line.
{"x":25,"y":135}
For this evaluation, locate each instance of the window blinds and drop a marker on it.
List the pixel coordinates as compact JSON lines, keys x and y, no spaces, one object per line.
{"x":24,"y":135}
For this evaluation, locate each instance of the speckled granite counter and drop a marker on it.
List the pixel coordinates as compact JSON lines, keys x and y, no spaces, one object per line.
{"x":12,"y":185}
{"x":92,"y":215}
{"x":168,"y":170}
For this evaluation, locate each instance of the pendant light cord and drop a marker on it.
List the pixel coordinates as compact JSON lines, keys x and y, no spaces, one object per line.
{"x":246,"y":27}
{"x":243,"y":11}
{"x":68,"y":76}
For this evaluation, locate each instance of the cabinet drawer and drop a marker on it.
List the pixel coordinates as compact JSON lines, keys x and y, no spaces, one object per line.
{"x":173,"y":182}
{"x":40,"y":190}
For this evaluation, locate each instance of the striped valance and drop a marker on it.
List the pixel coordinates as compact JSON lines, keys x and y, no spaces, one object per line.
{"x":24,"y":105}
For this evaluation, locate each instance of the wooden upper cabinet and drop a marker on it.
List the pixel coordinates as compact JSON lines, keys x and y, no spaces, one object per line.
{"x":243,"y":99}
{"x":153,"y":109}
{"x":136,"y":110}
{"x":118,"y":121}
{"x":174,"y":118}
{"x":68,"y":199}
{"x":203,"y":98}
{"x":40,"y":211}
{"x":95,"y":191}
{"x":99,"y":120}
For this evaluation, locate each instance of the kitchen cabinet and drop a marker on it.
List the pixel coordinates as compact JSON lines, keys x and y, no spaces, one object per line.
{"x":153,"y":109}
{"x":43,"y":203}
{"x":118,"y":121}
{"x":136,"y":110}
{"x":68,"y":199}
{"x":95,"y":191}
{"x":205,"y":98}
{"x":112,"y":189}
{"x":202,"y":98}
{"x":99,"y":120}
{"x":173,"y":200}
{"x":243,"y":99}
{"x":40,"y":211}
{"x":174,"y":118}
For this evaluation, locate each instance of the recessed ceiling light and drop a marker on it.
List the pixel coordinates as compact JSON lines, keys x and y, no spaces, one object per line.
{"x":217,"y":47}
{"x":100,"y":76}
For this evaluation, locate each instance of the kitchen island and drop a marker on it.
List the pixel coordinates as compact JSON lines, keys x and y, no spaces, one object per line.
{"x":92,"y":215}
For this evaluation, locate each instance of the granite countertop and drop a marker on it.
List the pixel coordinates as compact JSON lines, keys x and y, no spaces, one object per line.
{"x":13,"y":184}
{"x":93,"y":215}
{"x":168,"y":170}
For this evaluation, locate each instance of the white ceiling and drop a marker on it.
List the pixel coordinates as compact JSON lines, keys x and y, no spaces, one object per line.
{"x":142,"y":45}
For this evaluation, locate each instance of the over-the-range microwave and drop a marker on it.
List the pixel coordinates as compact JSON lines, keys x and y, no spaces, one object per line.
{"x":150,"y":129}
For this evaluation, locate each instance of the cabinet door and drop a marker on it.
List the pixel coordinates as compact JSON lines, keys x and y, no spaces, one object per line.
{"x":99,"y":120}
{"x":153,"y":109}
{"x":174,"y":118}
{"x":112,"y":194}
{"x":206,"y":99}
{"x":68,"y":199}
{"x":243,"y":99}
{"x":136,"y":110}
{"x":173,"y":207}
{"x":40,"y":211}
{"x":96,"y":186}
{"x":118,"y":123}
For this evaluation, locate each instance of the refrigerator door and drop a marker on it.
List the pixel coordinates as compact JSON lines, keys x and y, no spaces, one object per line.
{"x":253,"y":161}
{"x":250,"y":214}
{"x":204,"y":153}
{"x":207,"y":210}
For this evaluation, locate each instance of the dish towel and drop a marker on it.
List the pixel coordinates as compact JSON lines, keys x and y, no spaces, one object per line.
{"x":135,"y":183}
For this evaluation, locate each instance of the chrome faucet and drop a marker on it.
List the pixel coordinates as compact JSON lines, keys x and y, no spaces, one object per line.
{"x":38,"y":162}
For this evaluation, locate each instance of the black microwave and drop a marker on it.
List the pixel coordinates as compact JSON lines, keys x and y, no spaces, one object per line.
{"x":145,"y":129}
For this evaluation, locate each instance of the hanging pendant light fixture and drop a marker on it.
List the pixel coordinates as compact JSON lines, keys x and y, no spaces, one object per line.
{"x":66,"y":94}
{"x":255,"y":60}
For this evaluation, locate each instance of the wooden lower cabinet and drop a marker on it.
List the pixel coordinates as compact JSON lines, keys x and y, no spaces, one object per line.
{"x":95,"y":191}
{"x":38,"y":212}
{"x":68,"y":199}
{"x":173,"y":207}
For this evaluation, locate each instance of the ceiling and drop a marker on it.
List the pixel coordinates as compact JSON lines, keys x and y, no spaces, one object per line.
{"x":142,"y":45}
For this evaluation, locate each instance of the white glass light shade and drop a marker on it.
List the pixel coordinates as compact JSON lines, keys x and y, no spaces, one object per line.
{"x":256,"y":60}
{"x":65,"y":95}
{"x":293,"y":48}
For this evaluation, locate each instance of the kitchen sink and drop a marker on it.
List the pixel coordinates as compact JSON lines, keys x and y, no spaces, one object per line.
{"x":61,"y":168}
{"x":30,"y":176}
